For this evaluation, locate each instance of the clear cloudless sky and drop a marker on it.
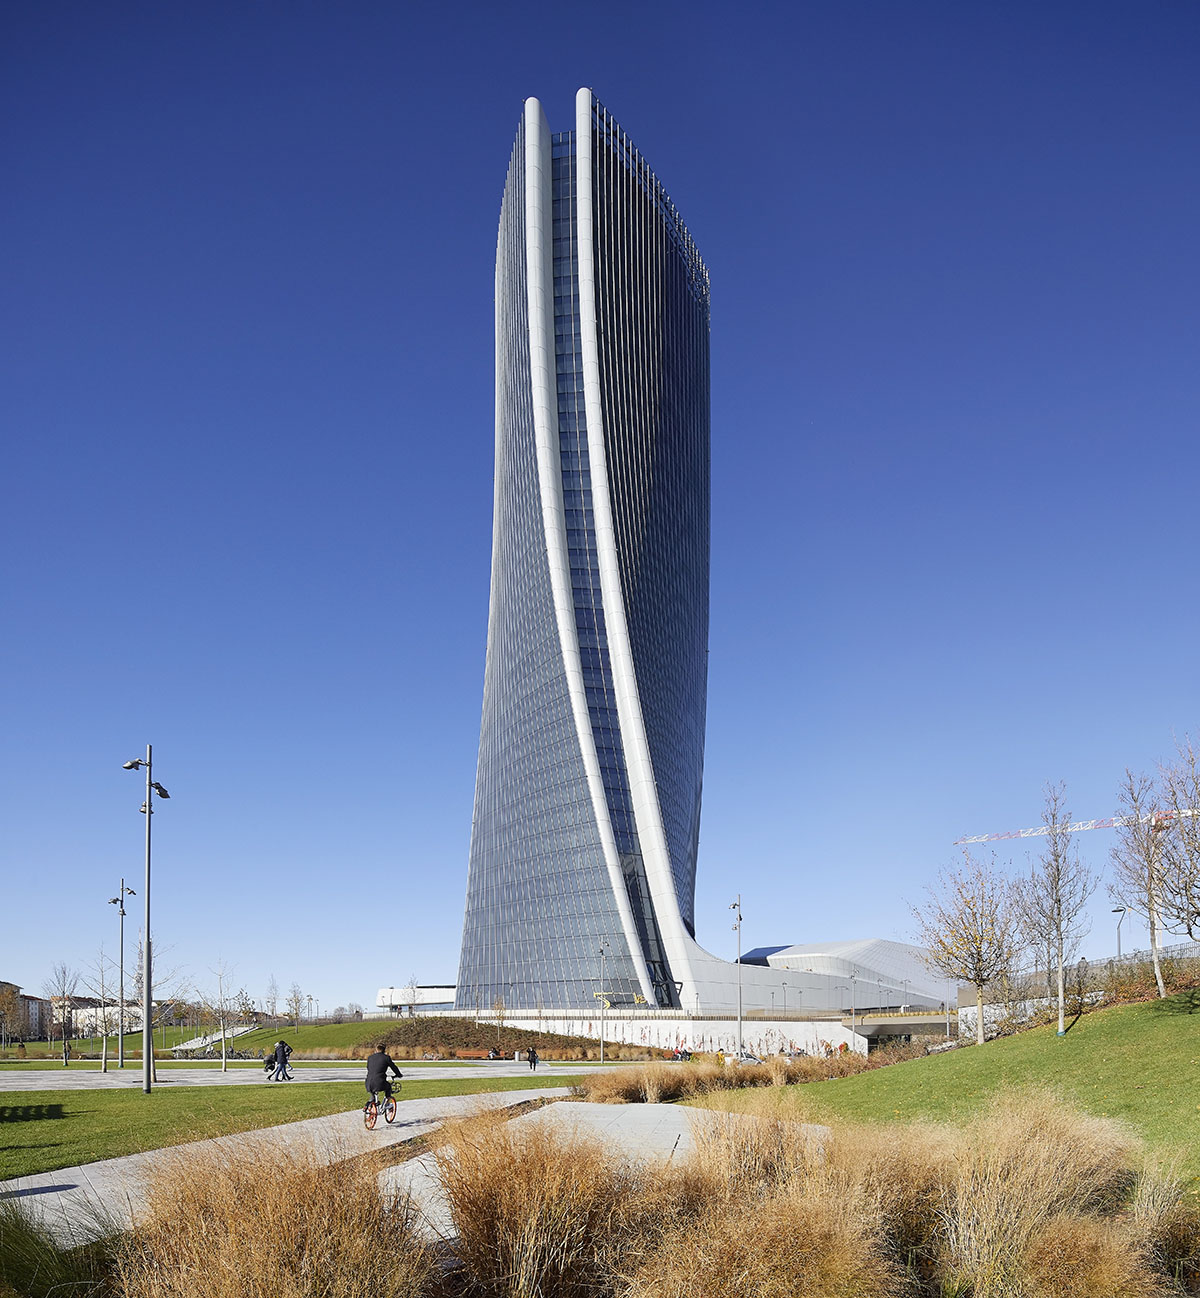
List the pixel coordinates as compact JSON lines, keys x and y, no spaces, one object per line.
{"x":247,"y":411}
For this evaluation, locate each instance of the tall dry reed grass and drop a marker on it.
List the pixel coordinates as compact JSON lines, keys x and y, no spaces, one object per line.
{"x":1032,"y":1199}
{"x":663,"y":1083}
{"x":261,"y":1223}
{"x":541,"y":1214}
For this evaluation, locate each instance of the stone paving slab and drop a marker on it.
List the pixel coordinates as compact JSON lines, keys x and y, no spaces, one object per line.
{"x":645,"y":1133}
{"x":79,"y":1079}
{"x":80,"y":1203}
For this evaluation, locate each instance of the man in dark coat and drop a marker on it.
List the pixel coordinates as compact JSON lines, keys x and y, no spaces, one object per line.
{"x":378,"y":1066}
{"x":282,"y":1050}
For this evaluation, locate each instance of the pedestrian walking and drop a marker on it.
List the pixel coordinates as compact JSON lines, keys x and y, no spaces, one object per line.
{"x":282,"y":1051}
{"x":533,"y":1059}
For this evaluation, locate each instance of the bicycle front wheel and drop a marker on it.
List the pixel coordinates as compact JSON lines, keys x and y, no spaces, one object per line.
{"x":389,"y":1109}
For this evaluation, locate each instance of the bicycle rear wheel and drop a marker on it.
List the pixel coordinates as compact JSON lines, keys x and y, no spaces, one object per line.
{"x":370,"y":1115}
{"x":389,"y":1109}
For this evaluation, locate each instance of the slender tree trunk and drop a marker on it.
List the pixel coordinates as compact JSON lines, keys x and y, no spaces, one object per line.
{"x":1062,"y":995}
{"x":104,"y":1043}
{"x":1158,"y":978}
{"x":979,"y":1014}
{"x":224,"y":1065}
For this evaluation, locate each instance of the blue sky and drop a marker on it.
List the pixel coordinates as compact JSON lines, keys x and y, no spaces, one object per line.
{"x":247,"y":389}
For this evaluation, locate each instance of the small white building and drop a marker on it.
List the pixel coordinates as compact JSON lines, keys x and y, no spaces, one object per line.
{"x":414,"y":999}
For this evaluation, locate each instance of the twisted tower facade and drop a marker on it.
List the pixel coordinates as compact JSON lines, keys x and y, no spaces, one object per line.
{"x":591,"y":751}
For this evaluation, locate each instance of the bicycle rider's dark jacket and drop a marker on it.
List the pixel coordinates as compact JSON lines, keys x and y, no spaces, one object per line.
{"x":377,"y":1070}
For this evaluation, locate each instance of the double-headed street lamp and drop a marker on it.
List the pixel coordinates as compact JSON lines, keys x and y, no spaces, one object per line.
{"x":119,"y":902}
{"x":152,"y":787}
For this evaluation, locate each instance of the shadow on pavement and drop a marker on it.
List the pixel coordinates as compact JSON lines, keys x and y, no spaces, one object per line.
{"x":37,"y":1189}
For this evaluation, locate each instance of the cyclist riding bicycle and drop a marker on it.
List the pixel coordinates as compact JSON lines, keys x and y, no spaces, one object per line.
{"x":378,"y":1065}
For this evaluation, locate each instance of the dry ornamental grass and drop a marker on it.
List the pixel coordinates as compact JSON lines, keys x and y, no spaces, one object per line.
{"x":265,"y":1223}
{"x":1032,"y":1200}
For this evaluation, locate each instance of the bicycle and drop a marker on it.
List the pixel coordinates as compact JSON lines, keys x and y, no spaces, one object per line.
{"x":372,"y":1107}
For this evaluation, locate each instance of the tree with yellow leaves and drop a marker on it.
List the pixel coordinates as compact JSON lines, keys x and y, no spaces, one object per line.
{"x":969,"y":927}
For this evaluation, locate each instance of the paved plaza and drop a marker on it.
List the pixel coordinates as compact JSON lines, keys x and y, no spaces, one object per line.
{"x":644,"y":1133}
{"x":79,"y":1203}
{"x":57,"y":1078}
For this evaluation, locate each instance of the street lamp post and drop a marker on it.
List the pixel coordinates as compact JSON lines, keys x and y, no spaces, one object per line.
{"x":119,"y":902}
{"x":310,"y":1009}
{"x":603,"y":998}
{"x":736,"y":906}
{"x":904,"y":993}
{"x":1119,"y":910}
{"x":152,"y":787}
{"x":784,"y":999}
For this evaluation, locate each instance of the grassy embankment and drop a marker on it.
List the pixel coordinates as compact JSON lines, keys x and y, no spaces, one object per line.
{"x":434,"y":1034}
{"x":1138,"y":1063}
{"x":45,"y":1130}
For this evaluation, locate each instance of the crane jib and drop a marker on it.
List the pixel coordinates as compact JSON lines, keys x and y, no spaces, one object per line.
{"x":1107,"y":822}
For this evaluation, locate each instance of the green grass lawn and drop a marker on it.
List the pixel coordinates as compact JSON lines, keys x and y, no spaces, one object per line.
{"x":41,"y":1131}
{"x":135,"y":1065}
{"x":1139,"y":1063}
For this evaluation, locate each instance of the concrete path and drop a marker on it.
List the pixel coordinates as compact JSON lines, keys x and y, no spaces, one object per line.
{"x":79,"y":1079}
{"x":80,"y":1203}
{"x":643,"y":1133}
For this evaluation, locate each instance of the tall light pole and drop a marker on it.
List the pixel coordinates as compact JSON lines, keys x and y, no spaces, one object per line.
{"x":603,"y":998}
{"x":785,"y":999}
{"x":1119,"y":910}
{"x":736,"y":906}
{"x":152,"y":787}
{"x":119,"y":902}
{"x":310,"y":1009}
{"x":904,"y":993}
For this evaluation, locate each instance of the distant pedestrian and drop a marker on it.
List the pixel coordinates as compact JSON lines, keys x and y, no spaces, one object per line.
{"x":282,"y":1051}
{"x":533,"y":1059}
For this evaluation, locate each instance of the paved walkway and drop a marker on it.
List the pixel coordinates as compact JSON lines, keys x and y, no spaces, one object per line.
{"x":637,"y":1132}
{"x":80,"y":1079}
{"x":79,"y":1203}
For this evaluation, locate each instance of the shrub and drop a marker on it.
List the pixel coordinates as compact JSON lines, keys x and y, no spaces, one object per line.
{"x":241,"y":1225}
{"x":542,"y":1213}
{"x":1080,"y":1257}
{"x":801,"y":1244}
{"x":34,"y":1265}
{"x":1019,"y":1167}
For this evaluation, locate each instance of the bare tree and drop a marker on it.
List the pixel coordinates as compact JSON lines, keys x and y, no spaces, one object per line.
{"x":969,"y":927}
{"x":1050,"y":903}
{"x":101,"y":980}
{"x":245,"y":1006}
{"x":295,"y":1004}
{"x":61,"y":986}
{"x":1179,"y":843}
{"x":1137,"y":859}
{"x":271,"y":1000}
{"x":219,"y":1005}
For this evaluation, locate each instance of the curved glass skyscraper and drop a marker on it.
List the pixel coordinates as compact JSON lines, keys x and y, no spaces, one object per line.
{"x":591,"y":750}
